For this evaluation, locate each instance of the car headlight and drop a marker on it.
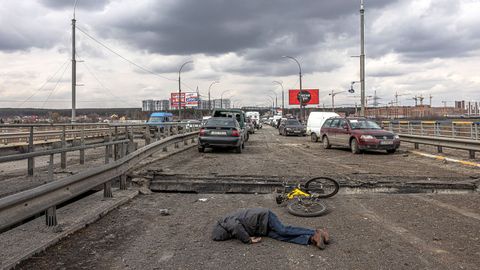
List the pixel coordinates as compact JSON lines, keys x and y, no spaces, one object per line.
{"x":396,"y":137}
{"x":288,"y":128}
{"x":367,"y":137}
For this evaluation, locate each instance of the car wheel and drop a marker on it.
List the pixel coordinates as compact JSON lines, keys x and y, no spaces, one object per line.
{"x":201,"y":149}
{"x":354,"y":146}
{"x":391,"y":151}
{"x":279,"y":132}
{"x":243,"y":145}
{"x":326,"y":143}
{"x":238,"y":149}
{"x":314,"y":137}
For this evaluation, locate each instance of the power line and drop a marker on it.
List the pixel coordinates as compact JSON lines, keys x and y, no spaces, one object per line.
{"x":45,"y":83}
{"x":55,"y":87}
{"x":101,"y":84}
{"x":129,"y":61}
{"x":119,"y":55}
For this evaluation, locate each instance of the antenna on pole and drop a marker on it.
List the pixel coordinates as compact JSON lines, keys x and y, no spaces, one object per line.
{"x":74,"y":6}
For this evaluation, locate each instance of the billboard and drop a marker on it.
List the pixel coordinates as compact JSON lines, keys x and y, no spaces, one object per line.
{"x":309,"y":96}
{"x":187,"y":99}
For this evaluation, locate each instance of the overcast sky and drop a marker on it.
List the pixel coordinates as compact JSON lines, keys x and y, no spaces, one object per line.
{"x":413,"y":47}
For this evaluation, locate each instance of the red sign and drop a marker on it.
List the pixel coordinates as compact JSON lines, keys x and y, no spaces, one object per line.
{"x":174,"y":100}
{"x":310,"y":96}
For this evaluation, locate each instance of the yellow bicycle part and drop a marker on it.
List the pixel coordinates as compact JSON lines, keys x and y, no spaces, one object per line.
{"x":297,"y":193}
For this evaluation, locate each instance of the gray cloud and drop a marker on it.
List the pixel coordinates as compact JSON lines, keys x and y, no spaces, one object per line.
{"x":81,"y":4}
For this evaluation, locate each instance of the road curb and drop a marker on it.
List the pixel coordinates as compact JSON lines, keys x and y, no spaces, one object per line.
{"x":442,"y":158}
{"x":34,"y":237}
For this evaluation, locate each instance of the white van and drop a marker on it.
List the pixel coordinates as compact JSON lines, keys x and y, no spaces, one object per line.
{"x":255,"y":116}
{"x":315,"y":122}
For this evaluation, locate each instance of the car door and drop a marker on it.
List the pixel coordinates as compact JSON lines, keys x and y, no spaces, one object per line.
{"x":343,"y":133}
{"x":332,"y":131}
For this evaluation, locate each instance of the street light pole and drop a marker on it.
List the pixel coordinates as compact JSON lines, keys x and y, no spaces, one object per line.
{"x":180,"y":90}
{"x":221,"y":98}
{"x":209,"y":103}
{"x":301,"y":90}
{"x":74,"y":68}
{"x":283,"y":99}
{"x":362,"y":57}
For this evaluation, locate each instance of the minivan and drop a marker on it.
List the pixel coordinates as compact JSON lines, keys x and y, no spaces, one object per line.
{"x":315,"y":122}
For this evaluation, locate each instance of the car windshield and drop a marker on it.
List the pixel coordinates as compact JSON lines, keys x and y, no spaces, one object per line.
{"x":363,"y":124}
{"x":229,"y":122}
{"x":157,"y":119}
{"x":293,"y":122}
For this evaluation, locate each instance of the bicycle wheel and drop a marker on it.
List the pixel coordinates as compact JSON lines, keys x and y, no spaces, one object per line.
{"x":306,"y":207}
{"x":322,"y":187}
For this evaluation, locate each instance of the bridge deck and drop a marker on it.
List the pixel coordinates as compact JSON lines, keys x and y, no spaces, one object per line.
{"x":370,"y":230}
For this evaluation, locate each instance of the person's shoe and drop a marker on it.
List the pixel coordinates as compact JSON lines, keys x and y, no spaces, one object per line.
{"x":325,"y":234}
{"x":318,"y":240}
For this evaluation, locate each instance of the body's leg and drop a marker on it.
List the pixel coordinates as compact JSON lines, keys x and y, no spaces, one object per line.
{"x":275,"y":225}
{"x":303,"y":239}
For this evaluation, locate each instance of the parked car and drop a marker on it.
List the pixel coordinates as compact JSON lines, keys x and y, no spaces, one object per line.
{"x":239,"y":115}
{"x":291,"y":127}
{"x":204,"y":120}
{"x":250,"y":126}
{"x":358,"y":134}
{"x":157,"y":121}
{"x":255,"y":118}
{"x":315,"y":122}
{"x":224,"y":132}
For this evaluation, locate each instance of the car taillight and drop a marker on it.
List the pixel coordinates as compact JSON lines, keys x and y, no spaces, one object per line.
{"x":235,"y":133}
{"x":202,"y":132}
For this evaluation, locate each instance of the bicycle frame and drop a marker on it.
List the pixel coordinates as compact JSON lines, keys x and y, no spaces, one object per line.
{"x":297,"y":192}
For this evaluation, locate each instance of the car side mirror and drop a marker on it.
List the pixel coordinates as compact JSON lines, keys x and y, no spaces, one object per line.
{"x":345,"y":126}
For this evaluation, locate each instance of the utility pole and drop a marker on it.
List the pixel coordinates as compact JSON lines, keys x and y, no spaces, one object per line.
{"x":74,"y":69}
{"x":430,"y":97}
{"x":362,"y":57}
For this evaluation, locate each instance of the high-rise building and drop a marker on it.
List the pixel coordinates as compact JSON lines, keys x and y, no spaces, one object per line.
{"x":150,"y":105}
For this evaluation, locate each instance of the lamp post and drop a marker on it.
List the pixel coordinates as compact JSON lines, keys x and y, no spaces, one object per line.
{"x":362,"y":58}
{"x":180,"y":90}
{"x":276,"y":100}
{"x":302,"y":104}
{"x":283,"y":99}
{"x":209,"y":103}
{"x":221,"y":98}
{"x":273,"y":104}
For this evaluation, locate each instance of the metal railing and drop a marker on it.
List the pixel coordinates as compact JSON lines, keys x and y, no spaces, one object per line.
{"x":74,"y":137}
{"x":451,"y":129}
{"x":463,"y":135}
{"x":25,"y":204}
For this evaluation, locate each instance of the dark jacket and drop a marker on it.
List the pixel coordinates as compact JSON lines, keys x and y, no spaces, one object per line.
{"x":242,"y":225}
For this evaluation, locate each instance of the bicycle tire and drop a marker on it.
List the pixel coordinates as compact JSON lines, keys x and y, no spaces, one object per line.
{"x":323,"y":187}
{"x":306,"y":207}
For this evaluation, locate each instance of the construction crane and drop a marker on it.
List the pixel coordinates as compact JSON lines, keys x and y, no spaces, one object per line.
{"x":396,"y":97}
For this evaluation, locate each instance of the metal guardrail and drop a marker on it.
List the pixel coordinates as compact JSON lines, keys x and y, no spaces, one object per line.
{"x":112,"y":132}
{"x":470,"y":145}
{"x":451,"y":129}
{"x":17,"y":207}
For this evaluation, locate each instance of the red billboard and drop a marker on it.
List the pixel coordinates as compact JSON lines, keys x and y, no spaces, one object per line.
{"x":310,"y":96}
{"x":188,"y":99}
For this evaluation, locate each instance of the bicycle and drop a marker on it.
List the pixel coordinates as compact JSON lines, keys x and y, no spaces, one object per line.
{"x":304,"y":201}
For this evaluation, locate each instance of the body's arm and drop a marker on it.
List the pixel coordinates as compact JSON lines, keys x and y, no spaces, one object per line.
{"x":239,"y":232}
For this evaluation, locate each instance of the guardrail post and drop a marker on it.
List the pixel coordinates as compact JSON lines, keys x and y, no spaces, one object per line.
{"x":453,"y":130}
{"x":82,"y":143}
{"x":176,"y":145}
{"x":147,"y":135}
{"x":165,"y":149}
{"x":50,"y":168}
{"x":115,"y":146}
{"x":63,"y":155}
{"x":51,"y":216}
{"x":415,"y":145}
{"x":123,"y":182}
{"x":107,"y":150}
{"x":193,"y":139}
{"x":472,"y":136}
{"x":107,"y":190}
{"x":31,"y":160}
{"x":421,"y":128}
{"x":439,"y":149}
{"x":472,"y":154}
{"x":476,"y":131}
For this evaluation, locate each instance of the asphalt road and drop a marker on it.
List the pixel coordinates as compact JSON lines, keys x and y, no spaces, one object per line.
{"x":369,"y":230}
